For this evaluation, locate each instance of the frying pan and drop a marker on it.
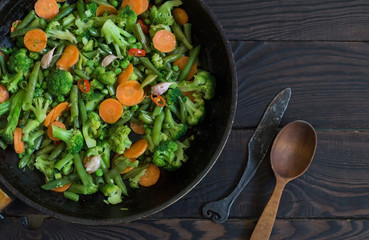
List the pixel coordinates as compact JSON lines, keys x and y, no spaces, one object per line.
{"x":216,"y":57}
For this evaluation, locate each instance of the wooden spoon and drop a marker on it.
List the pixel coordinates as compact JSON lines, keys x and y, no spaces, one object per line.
{"x":292,"y":152}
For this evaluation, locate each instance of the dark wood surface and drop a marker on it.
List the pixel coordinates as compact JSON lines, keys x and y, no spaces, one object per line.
{"x":319,"y":49}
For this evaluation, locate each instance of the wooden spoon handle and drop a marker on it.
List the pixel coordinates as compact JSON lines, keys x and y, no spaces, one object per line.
{"x":265,"y":224}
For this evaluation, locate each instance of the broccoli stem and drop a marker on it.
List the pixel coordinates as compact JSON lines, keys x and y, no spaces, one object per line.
{"x":187,"y":31}
{"x":117,"y":169}
{"x":145,"y":61}
{"x":62,"y":162}
{"x":191,"y":60}
{"x":62,"y":134}
{"x":156,"y":129}
{"x":26,"y":20}
{"x":181,"y":36}
{"x":57,"y":151}
{"x":74,"y":110}
{"x":30,"y":91}
{"x":119,"y":182}
{"x":148,"y":80}
{"x":45,"y":150}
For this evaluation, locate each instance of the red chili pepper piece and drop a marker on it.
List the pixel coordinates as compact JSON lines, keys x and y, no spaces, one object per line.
{"x":136,"y":52}
{"x":84,"y":85}
{"x":144,"y":26}
{"x":158,"y":100}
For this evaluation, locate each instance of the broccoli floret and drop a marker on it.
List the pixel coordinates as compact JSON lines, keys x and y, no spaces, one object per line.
{"x":83,"y":26}
{"x":91,"y":9}
{"x":68,"y":168}
{"x":195,"y":111}
{"x":59,"y":82}
{"x":90,"y":128}
{"x":113,"y":192}
{"x":115,"y":35}
{"x":134,"y":180}
{"x":172,"y":129}
{"x":204,"y":82}
{"x":149,"y":138}
{"x":97,"y":85}
{"x":172,"y":96}
{"x":19,"y":61}
{"x":67,"y":21}
{"x":158,"y":61}
{"x":108,"y":78}
{"x":156,"y":28}
{"x":164,"y":155}
{"x":92,"y":99}
{"x":163,"y":14}
{"x":13,"y":117}
{"x":54,"y":30}
{"x":119,"y":140}
{"x":125,"y":18}
{"x":11,"y":81}
{"x":73,"y":138}
{"x":39,"y":108}
{"x":31,"y":125}
{"x":45,"y":166}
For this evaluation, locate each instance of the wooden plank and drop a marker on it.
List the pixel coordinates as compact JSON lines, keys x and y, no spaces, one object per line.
{"x":313,"y":20}
{"x":175,"y":228}
{"x":336,"y":184}
{"x":329,"y":82}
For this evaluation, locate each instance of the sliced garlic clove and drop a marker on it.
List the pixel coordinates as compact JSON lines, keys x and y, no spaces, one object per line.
{"x":108,"y":59}
{"x":161,"y":88}
{"x":46,"y":59}
{"x":92,"y":164}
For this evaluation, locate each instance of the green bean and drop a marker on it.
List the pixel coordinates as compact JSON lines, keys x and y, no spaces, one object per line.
{"x":26,"y":20}
{"x":156,"y":129}
{"x":20,"y":32}
{"x":41,"y":77}
{"x":192,"y":58}
{"x":35,"y":23}
{"x":180,"y":36}
{"x":172,"y":57}
{"x":74,"y":110}
{"x":187,"y":31}
{"x":105,"y":48}
{"x":56,"y":183}
{"x":94,"y":32}
{"x":82,"y":109}
{"x":145,"y":117}
{"x":81,"y":170}
{"x":48,"y":96}
{"x":24,"y":161}
{"x":65,"y":12}
{"x":78,"y":188}
{"x":38,"y":141}
{"x":101,"y":2}
{"x":31,"y":86}
{"x":62,"y":162}
{"x":111,"y":90}
{"x":146,"y":62}
{"x":90,"y":55}
{"x":157,"y":111}
{"x":148,"y":80}
{"x":81,"y":10}
{"x":71,"y":195}
{"x":3,"y":145}
{"x":169,"y":75}
{"x":140,"y":35}
{"x":81,"y":74}
{"x":53,"y":43}
{"x":46,"y":142}
{"x":180,"y":50}
{"x":119,"y":182}
{"x":138,"y":73}
{"x":117,"y":169}
{"x":57,"y":151}
{"x":135,"y":171}
{"x":182,"y":111}
{"x":4,"y":69}
{"x":45,"y":150}
{"x":58,"y":52}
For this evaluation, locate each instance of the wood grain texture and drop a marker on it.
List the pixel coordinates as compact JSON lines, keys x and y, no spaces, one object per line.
{"x":292,"y":20}
{"x":329,"y":82}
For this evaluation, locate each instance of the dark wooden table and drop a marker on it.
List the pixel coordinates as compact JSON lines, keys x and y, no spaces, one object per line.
{"x":319,"y":49}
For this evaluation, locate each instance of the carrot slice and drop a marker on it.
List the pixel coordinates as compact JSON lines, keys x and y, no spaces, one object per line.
{"x":35,"y":40}
{"x":50,"y":129}
{"x":62,"y":188}
{"x":138,"y":6}
{"x":55,"y":113}
{"x":106,"y":8}
{"x":18,"y":143}
{"x":189,"y":95}
{"x":180,"y":15}
{"x":151,"y":176}
{"x":136,"y":149}
{"x":129,"y":93}
{"x":164,"y":41}
{"x":137,"y":128}
{"x":47,"y":9}
{"x":126,"y":73}
{"x":181,"y":63}
{"x":4,"y":94}
{"x":5,"y":200}
{"x":69,"y":57}
{"x":14,"y":25}
{"x":110,"y":110}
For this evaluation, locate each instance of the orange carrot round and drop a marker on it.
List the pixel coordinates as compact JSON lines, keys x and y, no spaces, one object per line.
{"x":35,"y":40}
{"x":126,"y":73}
{"x":69,"y":57}
{"x":129,"y":93}
{"x":180,"y":15}
{"x":46,"y":9}
{"x":189,"y":95}
{"x":4,"y":94}
{"x":151,"y":176}
{"x":110,"y":110}
{"x":181,"y":63}
{"x":106,"y":8}
{"x":50,"y":129}
{"x":137,"y":128}
{"x":18,"y":143}
{"x":136,"y":149}
{"x":62,"y":188}
{"x":14,"y":25}
{"x":164,"y":41}
{"x":138,"y":6}
{"x":55,"y":113}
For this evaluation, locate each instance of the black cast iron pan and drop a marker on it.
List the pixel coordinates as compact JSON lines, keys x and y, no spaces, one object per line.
{"x":216,"y":57}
